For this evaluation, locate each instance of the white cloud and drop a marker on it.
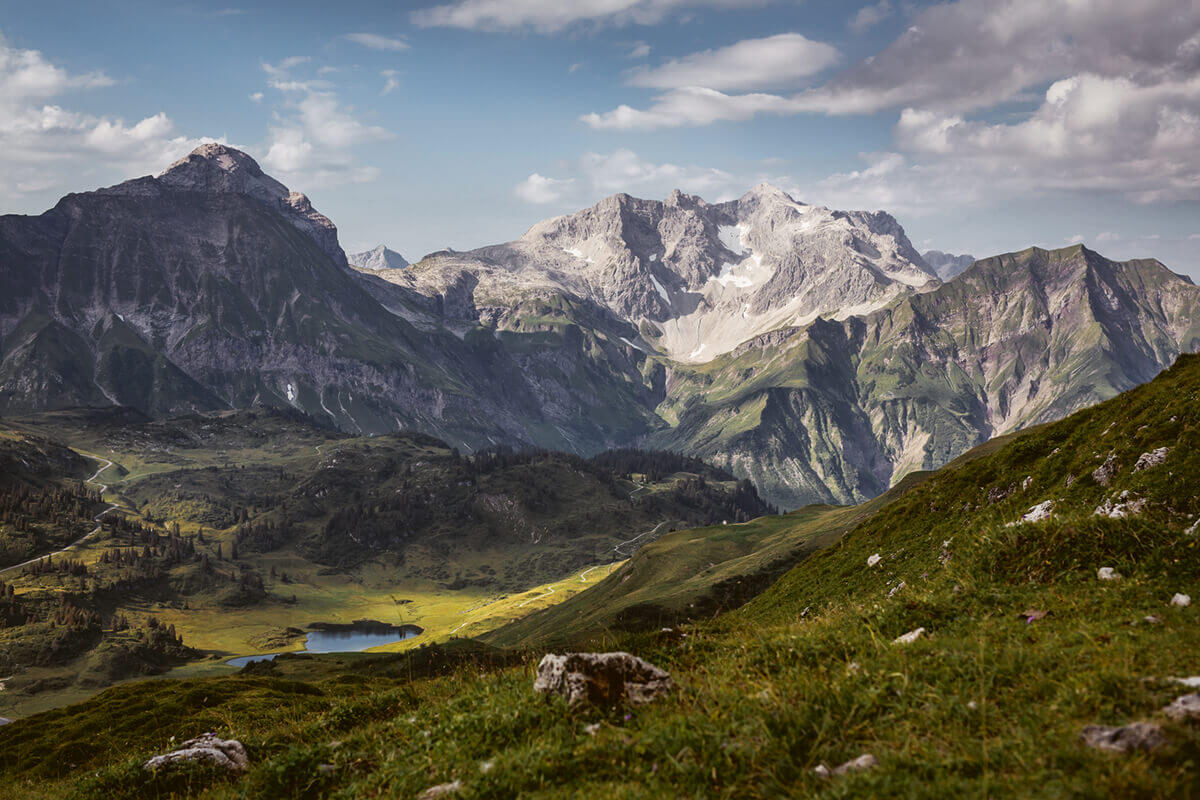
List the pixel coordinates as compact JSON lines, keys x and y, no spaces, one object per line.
{"x":595,"y":175}
{"x":44,"y":146}
{"x":539,"y":189}
{"x":257,"y":97}
{"x":690,"y":106}
{"x":781,"y":60}
{"x":1108,"y":236}
{"x":285,"y":66}
{"x":391,"y":81}
{"x":550,"y":16}
{"x":314,"y":137}
{"x":377,"y":42}
{"x":1194,"y":237}
{"x":870,"y":16}
{"x":974,"y":54}
{"x":1090,"y":133}
{"x":639,"y":50}
{"x":1076,"y":239}
{"x":571,"y":70}
{"x":624,"y":171}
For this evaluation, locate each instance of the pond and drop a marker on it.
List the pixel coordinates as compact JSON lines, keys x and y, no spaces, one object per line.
{"x":342,"y":639}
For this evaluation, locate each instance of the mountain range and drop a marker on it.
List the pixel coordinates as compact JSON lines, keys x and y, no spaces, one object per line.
{"x":812,"y":350}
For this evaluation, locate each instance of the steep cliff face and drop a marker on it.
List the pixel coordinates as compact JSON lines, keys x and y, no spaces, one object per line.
{"x":213,"y":286}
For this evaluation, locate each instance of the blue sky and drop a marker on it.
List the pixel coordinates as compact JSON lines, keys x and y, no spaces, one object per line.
{"x":983,"y":125}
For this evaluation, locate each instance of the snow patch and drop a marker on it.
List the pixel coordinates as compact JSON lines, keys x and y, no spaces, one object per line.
{"x":732,"y":237}
{"x":653,"y":257}
{"x":291,"y":393}
{"x":696,"y":353}
{"x":631,"y":344}
{"x":572,"y":251}
{"x":727,"y":277}
{"x":659,"y":288}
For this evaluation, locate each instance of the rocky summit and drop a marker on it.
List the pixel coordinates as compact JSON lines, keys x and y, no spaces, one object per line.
{"x":812,"y":350}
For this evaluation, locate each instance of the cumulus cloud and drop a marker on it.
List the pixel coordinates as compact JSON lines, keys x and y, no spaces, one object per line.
{"x":551,"y":16}
{"x":377,"y":42}
{"x":781,"y":60}
{"x":539,"y":189}
{"x":391,"y":81}
{"x":314,"y":138}
{"x":1090,"y":133}
{"x":868,"y":17}
{"x":44,"y":146}
{"x":974,"y":54}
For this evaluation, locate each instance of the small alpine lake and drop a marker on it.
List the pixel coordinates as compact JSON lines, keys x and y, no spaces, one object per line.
{"x":337,"y":638}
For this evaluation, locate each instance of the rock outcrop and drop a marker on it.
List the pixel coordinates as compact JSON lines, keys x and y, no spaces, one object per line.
{"x":225,"y":753}
{"x":604,"y":679}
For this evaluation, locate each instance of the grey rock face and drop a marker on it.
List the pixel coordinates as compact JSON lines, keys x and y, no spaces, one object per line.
{"x":379,"y":258}
{"x":700,"y":279}
{"x":605,"y":679}
{"x":217,"y":169}
{"x":945,"y":265}
{"x":226,"y":753}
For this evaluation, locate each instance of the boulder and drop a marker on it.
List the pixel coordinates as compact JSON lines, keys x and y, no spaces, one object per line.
{"x":226,"y":753}
{"x":1108,"y":574}
{"x":873,"y":559}
{"x":1184,"y":707}
{"x":1181,"y":600}
{"x":1042,"y":511}
{"x":605,"y":679}
{"x":1123,"y":739}
{"x":1103,"y":474}
{"x":1151,"y":459}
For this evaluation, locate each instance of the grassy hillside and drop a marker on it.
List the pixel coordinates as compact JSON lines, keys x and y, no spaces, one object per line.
{"x":1024,"y":646}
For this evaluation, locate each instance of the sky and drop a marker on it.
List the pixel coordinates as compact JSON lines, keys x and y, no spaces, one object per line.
{"x":984,"y":126}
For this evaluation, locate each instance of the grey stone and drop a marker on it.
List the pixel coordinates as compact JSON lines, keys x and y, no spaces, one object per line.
{"x":227,"y":753}
{"x":1184,"y":707}
{"x":605,"y":679}
{"x":1125,"y":738}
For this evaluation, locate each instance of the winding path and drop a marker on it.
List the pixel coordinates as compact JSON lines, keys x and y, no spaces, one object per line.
{"x":549,"y":591}
{"x":650,"y":532}
{"x":86,"y":536}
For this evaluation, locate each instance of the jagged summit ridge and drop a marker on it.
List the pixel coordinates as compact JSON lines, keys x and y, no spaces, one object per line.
{"x":697,"y":278}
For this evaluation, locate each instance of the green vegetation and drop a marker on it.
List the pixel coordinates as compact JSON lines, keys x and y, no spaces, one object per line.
{"x":1024,"y":646}
{"x":237,"y":530}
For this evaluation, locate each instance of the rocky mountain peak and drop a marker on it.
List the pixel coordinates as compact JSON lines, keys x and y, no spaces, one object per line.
{"x":215,"y":168}
{"x":381,"y":257}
